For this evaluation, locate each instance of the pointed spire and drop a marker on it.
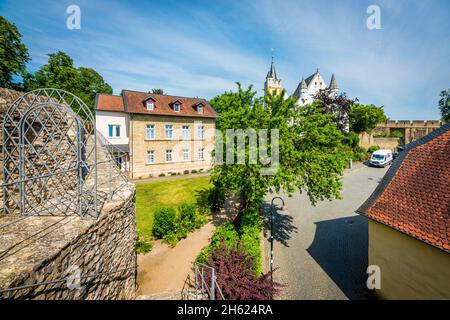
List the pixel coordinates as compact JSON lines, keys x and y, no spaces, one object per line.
{"x":272,"y":73}
{"x":303,"y":84}
{"x":333,"y":84}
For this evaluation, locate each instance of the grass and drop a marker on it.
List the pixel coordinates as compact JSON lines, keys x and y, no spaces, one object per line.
{"x":172,"y":193}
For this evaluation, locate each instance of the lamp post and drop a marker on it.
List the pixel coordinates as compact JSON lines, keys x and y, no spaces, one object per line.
{"x":271,"y":234}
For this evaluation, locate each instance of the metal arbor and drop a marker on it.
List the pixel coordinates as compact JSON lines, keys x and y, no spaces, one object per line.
{"x":49,"y":156}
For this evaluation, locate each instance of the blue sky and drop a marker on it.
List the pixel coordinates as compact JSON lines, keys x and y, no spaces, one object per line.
{"x":201,"y":48}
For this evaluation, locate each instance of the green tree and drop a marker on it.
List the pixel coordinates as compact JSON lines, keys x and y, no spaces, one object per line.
{"x":365,"y":118}
{"x":157,"y":91}
{"x":311,"y":155}
{"x":444,"y":105}
{"x":13,"y":54}
{"x":60,"y":73}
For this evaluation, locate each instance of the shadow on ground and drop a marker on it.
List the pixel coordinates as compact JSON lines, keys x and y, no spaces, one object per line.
{"x":340,"y":248}
{"x":283,"y":225}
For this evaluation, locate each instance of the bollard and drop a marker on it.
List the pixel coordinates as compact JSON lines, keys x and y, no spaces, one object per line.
{"x":351,"y":163}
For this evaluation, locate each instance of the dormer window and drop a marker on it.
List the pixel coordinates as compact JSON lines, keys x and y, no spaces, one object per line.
{"x":149,"y":103}
{"x":176,"y":105}
{"x":199,"y":108}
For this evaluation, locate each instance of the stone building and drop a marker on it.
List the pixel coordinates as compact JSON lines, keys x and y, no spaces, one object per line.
{"x":159,"y":134}
{"x":409,"y":222}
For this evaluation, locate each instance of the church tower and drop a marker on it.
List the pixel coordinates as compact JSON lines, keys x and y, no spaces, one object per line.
{"x":273,"y":84}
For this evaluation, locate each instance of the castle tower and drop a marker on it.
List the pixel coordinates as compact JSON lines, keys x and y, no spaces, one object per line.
{"x":273,"y":84}
{"x":333,"y":87}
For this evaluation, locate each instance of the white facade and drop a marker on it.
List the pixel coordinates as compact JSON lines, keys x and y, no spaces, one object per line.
{"x":307,"y":89}
{"x":114,"y":126}
{"x":105,"y":119}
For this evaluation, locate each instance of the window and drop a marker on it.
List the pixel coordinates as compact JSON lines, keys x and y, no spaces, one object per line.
{"x":201,"y":132}
{"x":200,"y":108}
{"x":114,"y":131}
{"x":150,"y":105}
{"x":150,"y":132}
{"x":185,"y":132}
{"x":176,"y":107}
{"x":168,"y":155}
{"x":169,"y":131}
{"x":150,"y":156}
{"x":185,"y":154}
{"x":200,"y":154}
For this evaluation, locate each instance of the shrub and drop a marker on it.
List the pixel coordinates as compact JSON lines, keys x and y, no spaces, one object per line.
{"x":216,"y":198}
{"x":352,"y":140}
{"x":186,"y":171}
{"x":235,"y":275}
{"x":164,"y":221}
{"x":143,"y":246}
{"x":162,"y":175}
{"x":226,"y":232}
{"x":396,"y":134}
{"x":372,"y":149}
{"x":249,"y":232}
{"x":188,"y":216}
{"x":193,"y":171}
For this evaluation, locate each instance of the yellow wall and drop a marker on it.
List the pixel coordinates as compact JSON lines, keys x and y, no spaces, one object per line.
{"x":139,"y":145}
{"x":410,"y":269}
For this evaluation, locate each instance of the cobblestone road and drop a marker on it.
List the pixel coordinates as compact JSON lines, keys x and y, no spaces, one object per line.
{"x":321,"y":252}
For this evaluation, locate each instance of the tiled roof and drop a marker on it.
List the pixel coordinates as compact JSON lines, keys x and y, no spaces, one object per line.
{"x":108,"y":102}
{"x":133,"y":102}
{"x":414,"y":195}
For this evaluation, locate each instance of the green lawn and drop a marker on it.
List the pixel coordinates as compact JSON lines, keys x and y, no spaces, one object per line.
{"x":165,"y":193}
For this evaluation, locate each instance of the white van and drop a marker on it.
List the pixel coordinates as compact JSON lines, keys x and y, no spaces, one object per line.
{"x":381,"y":158}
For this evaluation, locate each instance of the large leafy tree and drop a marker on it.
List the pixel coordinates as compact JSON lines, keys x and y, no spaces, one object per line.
{"x":13,"y":54}
{"x":444,"y":105}
{"x":311,"y":155}
{"x":336,"y":105}
{"x":365,"y":117}
{"x":60,"y":73}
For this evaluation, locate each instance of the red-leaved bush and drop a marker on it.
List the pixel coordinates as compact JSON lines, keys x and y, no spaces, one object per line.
{"x":235,"y":275}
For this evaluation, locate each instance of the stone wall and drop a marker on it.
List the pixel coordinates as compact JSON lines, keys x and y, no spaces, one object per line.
{"x":367,"y":140}
{"x":69,"y":256}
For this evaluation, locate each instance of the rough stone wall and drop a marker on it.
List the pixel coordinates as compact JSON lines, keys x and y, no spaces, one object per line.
{"x":72,"y":257}
{"x":45,"y":249}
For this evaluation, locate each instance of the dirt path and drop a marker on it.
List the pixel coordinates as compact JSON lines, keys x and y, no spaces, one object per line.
{"x":165,"y":269}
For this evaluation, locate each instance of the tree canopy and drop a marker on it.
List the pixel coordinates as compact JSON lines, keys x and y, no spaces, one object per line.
{"x":444,"y":105}
{"x":365,"y":117}
{"x":336,"y":105}
{"x":13,"y":54}
{"x":157,"y":91}
{"x":60,"y":73}
{"x":311,"y":154}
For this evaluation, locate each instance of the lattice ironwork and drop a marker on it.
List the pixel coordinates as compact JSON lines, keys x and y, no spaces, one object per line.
{"x":49,"y":156}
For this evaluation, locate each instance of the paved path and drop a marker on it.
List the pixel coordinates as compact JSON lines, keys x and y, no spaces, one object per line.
{"x":164,"y":269}
{"x":321,"y":251}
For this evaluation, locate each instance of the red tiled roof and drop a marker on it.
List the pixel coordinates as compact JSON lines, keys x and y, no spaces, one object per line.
{"x":108,"y":102}
{"x":414,"y":196}
{"x":133,"y":102}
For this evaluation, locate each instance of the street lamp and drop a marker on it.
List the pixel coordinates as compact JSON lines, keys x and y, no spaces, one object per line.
{"x":271,"y":234}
